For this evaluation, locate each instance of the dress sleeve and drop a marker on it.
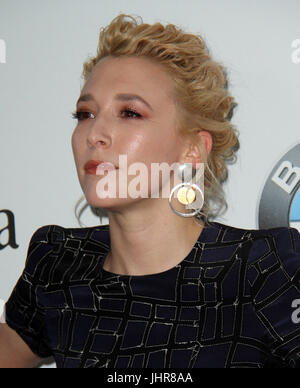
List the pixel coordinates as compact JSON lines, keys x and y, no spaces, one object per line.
{"x":274,"y":276}
{"x":22,"y":311}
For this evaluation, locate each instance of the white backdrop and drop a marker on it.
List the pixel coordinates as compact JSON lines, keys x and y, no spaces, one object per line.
{"x":42,"y":47}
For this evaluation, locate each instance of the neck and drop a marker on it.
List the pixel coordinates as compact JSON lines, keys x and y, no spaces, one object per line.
{"x":149,"y":239}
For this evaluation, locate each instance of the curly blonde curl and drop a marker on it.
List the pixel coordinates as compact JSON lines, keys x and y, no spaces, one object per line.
{"x":201,"y":93}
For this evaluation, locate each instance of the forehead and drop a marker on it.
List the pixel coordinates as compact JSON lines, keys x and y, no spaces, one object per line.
{"x":141,"y":73}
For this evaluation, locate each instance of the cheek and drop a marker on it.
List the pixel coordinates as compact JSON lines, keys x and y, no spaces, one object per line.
{"x":148,"y":146}
{"x":135,"y":146}
{"x":76,"y":143}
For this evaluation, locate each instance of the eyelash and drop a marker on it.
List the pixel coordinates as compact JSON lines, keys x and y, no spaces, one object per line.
{"x":77,"y":114}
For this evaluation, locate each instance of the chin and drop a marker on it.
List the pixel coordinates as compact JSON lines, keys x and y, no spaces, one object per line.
{"x":105,"y":203}
{"x":95,"y":201}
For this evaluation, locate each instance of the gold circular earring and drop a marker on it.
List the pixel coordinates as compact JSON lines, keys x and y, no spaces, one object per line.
{"x":189,"y":191}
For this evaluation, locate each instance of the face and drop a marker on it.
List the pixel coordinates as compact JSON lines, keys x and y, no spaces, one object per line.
{"x":112,"y":123}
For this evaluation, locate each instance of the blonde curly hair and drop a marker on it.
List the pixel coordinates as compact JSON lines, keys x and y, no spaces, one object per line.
{"x":201,"y":94}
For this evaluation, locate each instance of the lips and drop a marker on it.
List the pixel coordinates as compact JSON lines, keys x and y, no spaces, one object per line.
{"x":92,"y":166}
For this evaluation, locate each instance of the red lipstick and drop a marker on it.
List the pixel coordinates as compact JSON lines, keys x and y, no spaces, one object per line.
{"x":91,"y":166}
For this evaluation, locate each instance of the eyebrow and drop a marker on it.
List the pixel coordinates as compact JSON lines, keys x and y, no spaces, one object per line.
{"x":119,"y":97}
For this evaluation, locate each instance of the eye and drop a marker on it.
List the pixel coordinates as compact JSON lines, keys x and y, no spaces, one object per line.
{"x":79,"y":115}
{"x":83,"y":115}
{"x":130,"y":113}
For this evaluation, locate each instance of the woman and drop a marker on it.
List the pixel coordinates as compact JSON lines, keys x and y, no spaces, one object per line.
{"x":161,"y":285}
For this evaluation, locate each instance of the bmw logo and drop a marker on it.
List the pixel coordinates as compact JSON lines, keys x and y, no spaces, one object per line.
{"x":279,"y":204}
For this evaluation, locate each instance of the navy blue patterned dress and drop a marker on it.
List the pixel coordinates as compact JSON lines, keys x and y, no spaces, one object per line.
{"x":230,"y":303}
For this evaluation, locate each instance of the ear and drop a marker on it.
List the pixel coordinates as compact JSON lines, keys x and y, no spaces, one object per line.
{"x":193,"y":154}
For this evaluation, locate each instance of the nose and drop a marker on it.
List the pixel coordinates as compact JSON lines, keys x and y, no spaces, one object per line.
{"x":98,"y":135}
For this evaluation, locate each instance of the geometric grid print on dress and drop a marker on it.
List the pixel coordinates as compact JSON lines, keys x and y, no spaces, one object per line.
{"x":225,"y":305}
